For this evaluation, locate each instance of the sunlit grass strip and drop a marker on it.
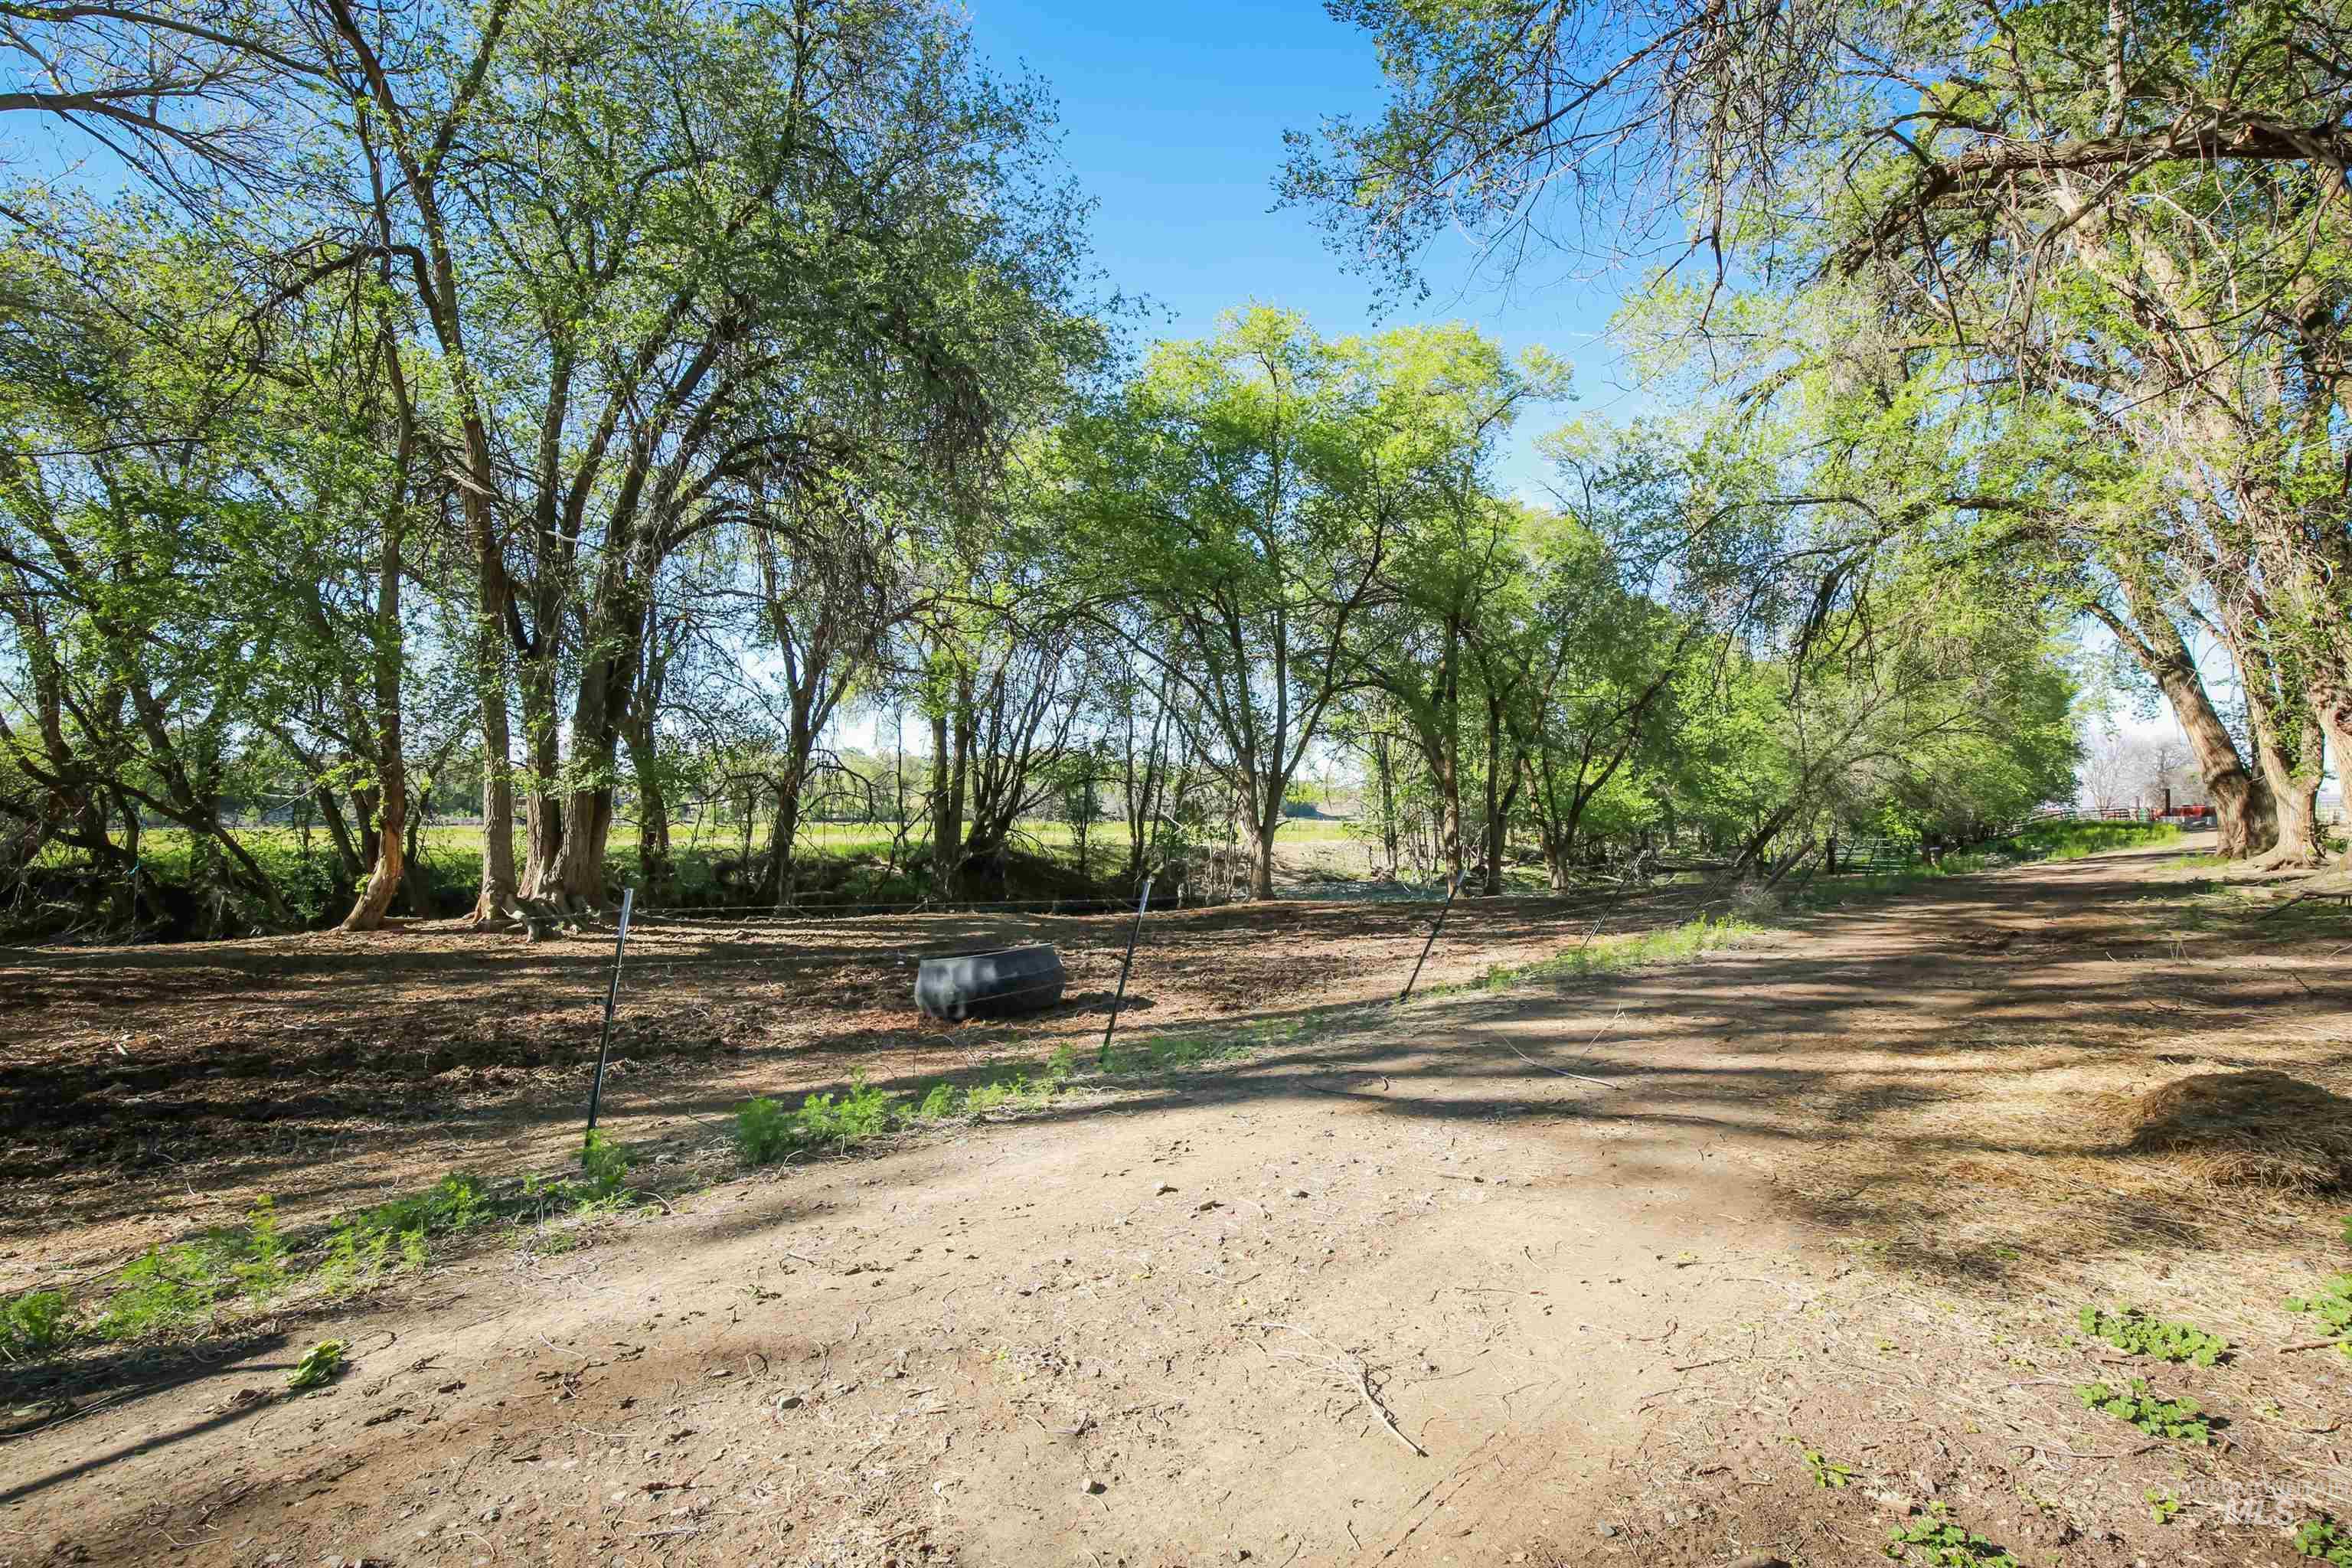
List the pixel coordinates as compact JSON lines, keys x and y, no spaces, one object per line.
{"x":1671,"y":944}
{"x":2076,"y":840}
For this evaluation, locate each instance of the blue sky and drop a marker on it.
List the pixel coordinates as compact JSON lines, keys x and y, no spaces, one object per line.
{"x":1173,"y":118}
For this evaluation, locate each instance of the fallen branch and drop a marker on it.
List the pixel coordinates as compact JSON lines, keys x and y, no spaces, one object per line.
{"x":1349,"y":1366}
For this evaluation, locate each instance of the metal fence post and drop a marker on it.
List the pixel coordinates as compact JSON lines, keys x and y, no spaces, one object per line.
{"x":1142,"y":901}
{"x":1452,"y":887}
{"x":612,"y":997}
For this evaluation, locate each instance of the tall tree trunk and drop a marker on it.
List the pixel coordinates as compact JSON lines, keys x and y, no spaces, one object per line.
{"x":1267,"y":823}
{"x":947,"y":828}
{"x":1492,"y":884}
{"x":2246,"y":819}
{"x":500,"y":887}
{"x":391,"y":763}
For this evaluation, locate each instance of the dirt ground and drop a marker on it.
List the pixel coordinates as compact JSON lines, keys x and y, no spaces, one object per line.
{"x":1575,"y":1272}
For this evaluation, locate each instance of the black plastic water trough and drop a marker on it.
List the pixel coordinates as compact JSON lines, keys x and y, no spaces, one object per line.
{"x":989,"y":984}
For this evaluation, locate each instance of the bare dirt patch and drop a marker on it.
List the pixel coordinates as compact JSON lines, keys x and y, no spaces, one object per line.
{"x":1750,"y":1256}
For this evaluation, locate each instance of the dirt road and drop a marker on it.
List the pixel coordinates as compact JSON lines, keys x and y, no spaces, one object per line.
{"x":1545,"y":1276}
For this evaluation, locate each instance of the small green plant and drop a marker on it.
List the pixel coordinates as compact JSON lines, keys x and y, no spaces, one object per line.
{"x":319,"y":1365}
{"x":2175,"y":1418}
{"x":168,"y":1288}
{"x":458,"y":1202}
{"x":2162,"y":1506}
{"x":2347,"y":1230}
{"x":937,"y":1104}
{"x":260,"y":1271}
{"x":2332,"y":1305}
{"x":351,"y":1260}
{"x":2136,"y":1332}
{"x":1828,"y":1473}
{"x":34,"y":1324}
{"x":862,"y":1113}
{"x":764,"y":1132}
{"x":605,"y":1164}
{"x":1942,"y":1543}
{"x":2325,"y":1540}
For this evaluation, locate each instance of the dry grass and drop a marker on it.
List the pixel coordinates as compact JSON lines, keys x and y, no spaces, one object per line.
{"x":2257,"y":1127}
{"x":2180,"y":1118}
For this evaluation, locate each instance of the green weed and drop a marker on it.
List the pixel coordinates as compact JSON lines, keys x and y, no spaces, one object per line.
{"x":2136,"y":1332}
{"x":34,"y":1324}
{"x":1828,"y":1473}
{"x":1942,"y":1543}
{"x":764,"y":1132}
{"x":939,"y":1103}
{"x":2325,"y":1540}
{"x":2162,"y":1506}
{"x":169,"y":1288}
{"x":862,"y":1113}
{"x":606,"y":1165}
{"x":2333,"y":1307}
{"x":261,"y":1272}
{"x":2175,"y":1418}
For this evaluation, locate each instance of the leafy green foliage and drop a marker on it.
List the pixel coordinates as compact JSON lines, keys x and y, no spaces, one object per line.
{"x":1826,"y":1472}
{"x":261,"y":1273}
{"x":180,"y":1285}
{"x":2162,"y":1506}
{"x":1940,"y":1542}
{"x":34,"y":1324}
{"x":2332,"y":1305}
{"x":318,"y":1366}
{"x":169,"y":1288}
{"x":764,"y":1132}
{"x":2136,"y":1332}
{"x":2325,"y":1540}
{"x":604,"y":1165}
{"x":2076,"y":840}
{"x":2158,"y":1417}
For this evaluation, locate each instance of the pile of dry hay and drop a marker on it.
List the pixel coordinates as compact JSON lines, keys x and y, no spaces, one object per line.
{"x":2252,"y":1129}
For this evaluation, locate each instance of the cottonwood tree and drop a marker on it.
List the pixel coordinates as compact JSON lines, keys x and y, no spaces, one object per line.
{"x":1239,"y":495}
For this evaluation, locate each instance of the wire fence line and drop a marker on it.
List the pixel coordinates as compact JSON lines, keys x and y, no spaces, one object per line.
{"x":1598,"y":902}
{"x":639,"y":963}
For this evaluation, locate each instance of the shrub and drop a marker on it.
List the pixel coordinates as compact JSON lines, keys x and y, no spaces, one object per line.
{"x":2136,"y":1332}
{"x":34,"y":1323}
